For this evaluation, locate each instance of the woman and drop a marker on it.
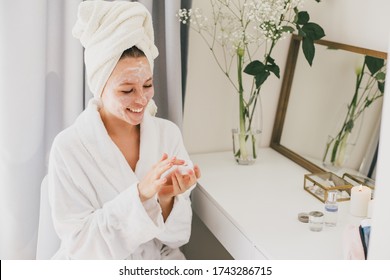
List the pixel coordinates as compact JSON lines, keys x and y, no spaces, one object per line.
{"x":115,"y":187}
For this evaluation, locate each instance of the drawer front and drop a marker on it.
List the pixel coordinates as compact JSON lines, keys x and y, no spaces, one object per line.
{"x":235,"y":242}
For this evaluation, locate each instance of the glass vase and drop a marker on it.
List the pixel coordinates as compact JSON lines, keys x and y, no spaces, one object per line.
{"x":341,"y":143}
{"x":246,"y":142}
{"x":246,"y":146}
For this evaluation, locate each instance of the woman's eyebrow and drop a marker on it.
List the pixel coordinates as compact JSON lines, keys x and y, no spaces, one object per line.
{"x":128,"y":82}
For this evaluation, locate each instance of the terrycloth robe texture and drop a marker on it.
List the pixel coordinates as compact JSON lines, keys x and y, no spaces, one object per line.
{"x":97,"y":212}
{"x":105,"y":30}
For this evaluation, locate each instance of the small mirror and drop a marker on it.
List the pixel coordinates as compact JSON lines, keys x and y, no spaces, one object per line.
{"x":315,"y":106}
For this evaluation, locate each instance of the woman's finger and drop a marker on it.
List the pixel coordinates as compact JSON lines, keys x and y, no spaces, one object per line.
{"x":197,"y":171}
{"x":164,"y":165}
{"x":175,"y":183}
{"x":178,"y":161}
{"x":160,"y":182}
{"x":164,"y":156}
{"x":163,"y":168}
{"x":183,"y":180}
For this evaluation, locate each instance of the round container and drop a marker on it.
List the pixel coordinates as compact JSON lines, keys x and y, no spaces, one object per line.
{"x":316,"y":220}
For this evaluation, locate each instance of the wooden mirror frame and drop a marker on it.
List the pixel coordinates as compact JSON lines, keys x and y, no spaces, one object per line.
{"x":285,"y":95}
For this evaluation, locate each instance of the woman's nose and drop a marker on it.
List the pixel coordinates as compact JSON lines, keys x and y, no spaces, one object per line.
{"x":141,"y":97}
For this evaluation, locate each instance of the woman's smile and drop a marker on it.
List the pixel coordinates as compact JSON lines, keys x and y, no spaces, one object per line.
{"x":139,"y":110}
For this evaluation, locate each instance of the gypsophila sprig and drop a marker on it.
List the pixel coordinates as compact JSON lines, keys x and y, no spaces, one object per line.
{"x":242,"y":34}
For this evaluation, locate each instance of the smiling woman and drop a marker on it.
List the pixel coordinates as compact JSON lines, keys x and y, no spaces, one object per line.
{"x":109,"y":196}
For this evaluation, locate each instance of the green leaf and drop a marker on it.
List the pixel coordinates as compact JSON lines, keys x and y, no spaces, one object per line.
{"x":380,"y":76}
{"x":374,"y":64}
{"x":301,"y":33}
{"x":272,"y":67}
{"x":381,"y":87}
{"x":308,"y":49}
{"x":303,"y":17}
{"x":270,"y":60}
{"x":313,"y":31}
{"x":261,"y":78}
{"x":288,"y":29}
{"x":254,"y":67}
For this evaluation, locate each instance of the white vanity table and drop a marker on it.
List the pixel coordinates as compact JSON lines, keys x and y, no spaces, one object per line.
{"x":253,"y":210}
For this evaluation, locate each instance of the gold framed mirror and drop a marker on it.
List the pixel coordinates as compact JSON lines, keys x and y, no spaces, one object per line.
{"x":310,"y":103}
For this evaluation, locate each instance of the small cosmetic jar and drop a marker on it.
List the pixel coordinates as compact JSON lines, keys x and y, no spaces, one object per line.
{"x":316,"y":220}
{"x":303,"y":217}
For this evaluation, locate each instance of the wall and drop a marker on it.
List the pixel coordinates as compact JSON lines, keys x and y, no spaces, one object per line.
{"x":379,"y":240}
{"x":210,"y":99}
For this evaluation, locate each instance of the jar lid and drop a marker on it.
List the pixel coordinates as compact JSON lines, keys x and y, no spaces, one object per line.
{"x":303,"y":217}
{"x":316,"y":214}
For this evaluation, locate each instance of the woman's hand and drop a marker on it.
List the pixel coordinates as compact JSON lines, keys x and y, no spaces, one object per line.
{"x":178,"y":184}
{"x":153,"y":182}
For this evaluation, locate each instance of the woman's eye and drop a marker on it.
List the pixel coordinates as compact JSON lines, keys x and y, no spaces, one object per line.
{"x":148,"y":86}
{"x":127,"y":91}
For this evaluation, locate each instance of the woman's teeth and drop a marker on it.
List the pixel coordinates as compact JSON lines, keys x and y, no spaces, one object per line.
{"x":135,"y":110}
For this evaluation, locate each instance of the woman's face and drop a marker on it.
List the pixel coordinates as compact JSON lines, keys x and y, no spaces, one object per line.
{"x":128,"y":90}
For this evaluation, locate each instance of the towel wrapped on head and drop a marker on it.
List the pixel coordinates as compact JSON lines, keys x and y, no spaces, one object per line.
{"x":106,"y":29}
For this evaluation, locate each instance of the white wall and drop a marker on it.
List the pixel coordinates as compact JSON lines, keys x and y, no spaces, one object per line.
{"x":210,"y":99}
{"x":379,"y":240}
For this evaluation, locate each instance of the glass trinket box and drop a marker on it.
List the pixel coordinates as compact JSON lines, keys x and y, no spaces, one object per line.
{"x":319,"y":184}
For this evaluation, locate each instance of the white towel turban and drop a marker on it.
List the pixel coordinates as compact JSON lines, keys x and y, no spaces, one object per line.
{"x":106,"y":29}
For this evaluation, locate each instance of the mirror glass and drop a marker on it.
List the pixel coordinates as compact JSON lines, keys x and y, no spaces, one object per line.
{"x":316,"y":103}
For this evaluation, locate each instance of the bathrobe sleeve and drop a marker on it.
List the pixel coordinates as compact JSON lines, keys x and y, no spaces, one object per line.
{"x":112,"y":231}
{"x":178,"y":224}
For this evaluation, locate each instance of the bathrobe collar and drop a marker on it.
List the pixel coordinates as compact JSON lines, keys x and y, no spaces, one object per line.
{"x":107,"y":155}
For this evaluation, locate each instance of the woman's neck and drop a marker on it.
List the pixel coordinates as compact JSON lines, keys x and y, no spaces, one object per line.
{"x":116,"y":127}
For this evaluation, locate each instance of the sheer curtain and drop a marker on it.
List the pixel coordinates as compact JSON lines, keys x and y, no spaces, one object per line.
{"x":41,"y":92}
{"x":170,"y":66}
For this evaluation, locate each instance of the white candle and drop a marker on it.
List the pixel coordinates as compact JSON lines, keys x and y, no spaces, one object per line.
{"x":360,"y":197}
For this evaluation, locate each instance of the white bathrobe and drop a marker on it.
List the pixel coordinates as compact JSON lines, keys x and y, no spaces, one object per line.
{"x":93,"y":193}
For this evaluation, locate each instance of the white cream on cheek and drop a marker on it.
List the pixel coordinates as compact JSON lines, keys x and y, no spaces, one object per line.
{"x":116,"y":101}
